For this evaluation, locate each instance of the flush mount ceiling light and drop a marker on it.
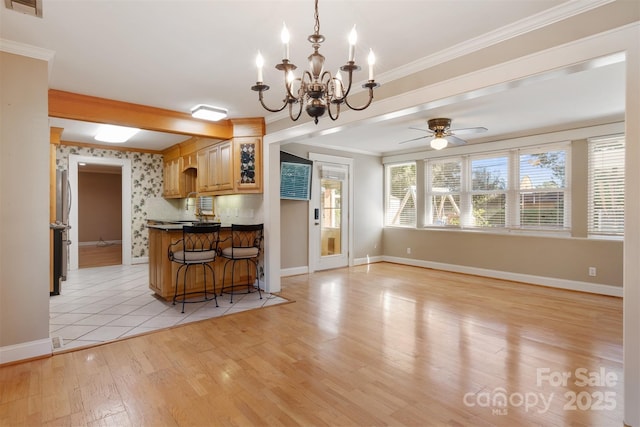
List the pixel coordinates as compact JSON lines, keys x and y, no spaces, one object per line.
{"x":208,"y":112}
{"x":115,"y":134}
{"x":317,"y":89}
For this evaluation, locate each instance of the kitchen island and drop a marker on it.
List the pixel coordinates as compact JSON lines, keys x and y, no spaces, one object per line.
{"x":162,"y":272}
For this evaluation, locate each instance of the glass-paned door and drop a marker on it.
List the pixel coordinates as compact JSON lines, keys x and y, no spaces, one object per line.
{"x":329,"y":235}
{"x":331,"y":217}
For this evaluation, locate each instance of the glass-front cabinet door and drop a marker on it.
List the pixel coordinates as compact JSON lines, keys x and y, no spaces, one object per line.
{"x":247,"y":153}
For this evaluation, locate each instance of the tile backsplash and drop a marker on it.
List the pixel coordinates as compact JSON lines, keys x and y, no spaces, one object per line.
{"x":239,"y":209}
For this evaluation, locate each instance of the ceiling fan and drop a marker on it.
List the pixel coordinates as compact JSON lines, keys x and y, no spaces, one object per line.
{"x":443,"y":135}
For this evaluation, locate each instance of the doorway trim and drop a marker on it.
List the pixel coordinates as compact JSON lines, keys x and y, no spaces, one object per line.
{"x":74,"y":159}
{"x":313,"y":242}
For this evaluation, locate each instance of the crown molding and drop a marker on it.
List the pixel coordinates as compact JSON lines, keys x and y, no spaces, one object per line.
{"x":29,"y":51}
{"x":526,"y":25}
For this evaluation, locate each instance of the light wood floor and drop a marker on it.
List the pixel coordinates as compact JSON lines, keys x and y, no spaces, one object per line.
{"x":372,"y":345}
{"x":99,"y":256}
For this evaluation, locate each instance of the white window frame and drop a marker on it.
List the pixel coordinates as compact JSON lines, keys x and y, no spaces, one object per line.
{"x":512,"y":192}
{"x":387,"y":195}
{"x":471,"y":192}
{"x":429,"y":193}
{"x":562,"y":146}
{"x":594,"y":233}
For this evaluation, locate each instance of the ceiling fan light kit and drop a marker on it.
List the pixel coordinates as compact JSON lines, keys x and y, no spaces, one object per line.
{"x":318,"y":91}
{"x":438,"y":143}
{"x":439,"y":127}
{"x":443,"y":135}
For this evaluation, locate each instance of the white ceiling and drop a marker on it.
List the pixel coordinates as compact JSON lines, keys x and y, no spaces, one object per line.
{"x":174,"y":54}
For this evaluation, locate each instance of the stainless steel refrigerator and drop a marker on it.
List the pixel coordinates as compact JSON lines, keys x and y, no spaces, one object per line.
{"x":60,"y":229}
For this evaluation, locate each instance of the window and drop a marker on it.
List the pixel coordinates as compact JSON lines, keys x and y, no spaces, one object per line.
{"x":515,"y":189}
{"x":481,"y":203}
{"x":205,"y":205}
{"x":606,"y":186}
{"x":489,"y":184}
{"x":542,"y":189}
{"x":401,"y":194}
{"x":444,"y":188}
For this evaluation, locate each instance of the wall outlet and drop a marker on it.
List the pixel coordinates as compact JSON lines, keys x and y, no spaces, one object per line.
{"x":408,"y":251}
{"x":56,"y":342}
{"x":592,"y":271}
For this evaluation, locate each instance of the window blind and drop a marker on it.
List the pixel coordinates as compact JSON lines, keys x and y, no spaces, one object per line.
{"x":401,"y":194}
{"x":543,"y":196}
{"x":445,"y":185}
{"x":606,"y":186}
{"x":489,"y":184}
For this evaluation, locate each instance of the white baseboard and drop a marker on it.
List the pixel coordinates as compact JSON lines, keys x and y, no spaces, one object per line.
{"x":368,"y":260}
{"x":295,"y":271}
{"x":552,"y":282}
{"x":114,"y":242}
{"x":140,"y":260}
{"x":26,"y":350}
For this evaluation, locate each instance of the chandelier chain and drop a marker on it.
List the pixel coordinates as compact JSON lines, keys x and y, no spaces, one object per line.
{"x":316,"y":16}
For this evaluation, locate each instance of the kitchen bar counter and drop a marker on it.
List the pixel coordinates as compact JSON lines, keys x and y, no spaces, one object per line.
{"x":177,"y":225}
{"x":162,"y":272}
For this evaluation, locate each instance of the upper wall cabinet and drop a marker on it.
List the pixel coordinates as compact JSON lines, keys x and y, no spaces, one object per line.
{"x":180,"y":170}
{"x":247,"y":164}
{"x":231,"y":167}
{"x":212,"y":167}
{"x":173,"y":182}
{"x":215,"y":174}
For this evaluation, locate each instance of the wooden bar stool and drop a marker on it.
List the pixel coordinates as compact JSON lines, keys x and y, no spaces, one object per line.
{"x":246,"y":245}
{"x":198,"y":246}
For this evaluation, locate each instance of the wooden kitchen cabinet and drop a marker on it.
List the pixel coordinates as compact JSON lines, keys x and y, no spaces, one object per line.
{"x":189,"y":161}
{"x":162,"y":272}
{"x":180,"y":169}
{"x":173,"y":180}
{"x":247,"y":164}
{"x":215,"y":171}
{"x":179,"y":180}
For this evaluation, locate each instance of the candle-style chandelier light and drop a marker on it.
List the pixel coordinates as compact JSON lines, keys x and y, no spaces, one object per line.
{"x":317,"y":90}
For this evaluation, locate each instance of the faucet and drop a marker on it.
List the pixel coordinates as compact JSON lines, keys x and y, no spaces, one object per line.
{"x":193,"y":193}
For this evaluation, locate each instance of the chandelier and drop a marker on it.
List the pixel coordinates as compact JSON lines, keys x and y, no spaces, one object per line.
{"x":317,"y":90}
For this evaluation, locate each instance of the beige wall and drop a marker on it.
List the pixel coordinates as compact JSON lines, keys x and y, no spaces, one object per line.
{"x":565,"y":258}
{"x":24,"y":201}
{"x":548,"y":257}
{"x":99,"y":206}
{"x":367,"y":210}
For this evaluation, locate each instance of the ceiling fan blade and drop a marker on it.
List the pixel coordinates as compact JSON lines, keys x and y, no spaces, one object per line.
{"x":467,"y":131}
{"x":453,"y":140}
{"x":429,"y":131}
{"x":414,"y":139}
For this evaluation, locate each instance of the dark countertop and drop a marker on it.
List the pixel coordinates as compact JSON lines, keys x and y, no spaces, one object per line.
{"x":168,"y":225}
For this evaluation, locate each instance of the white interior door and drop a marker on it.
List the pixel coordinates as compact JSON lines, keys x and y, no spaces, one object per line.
{"x":329,"y":234}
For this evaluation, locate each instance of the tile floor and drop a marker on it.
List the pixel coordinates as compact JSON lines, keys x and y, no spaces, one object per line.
{"x":106,"y":303}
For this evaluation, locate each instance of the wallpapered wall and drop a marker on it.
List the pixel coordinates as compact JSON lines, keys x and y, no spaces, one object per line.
{"x":146,"y":181}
